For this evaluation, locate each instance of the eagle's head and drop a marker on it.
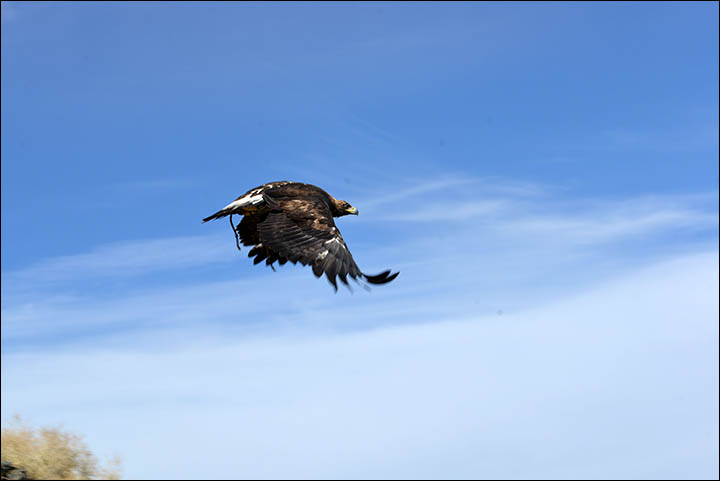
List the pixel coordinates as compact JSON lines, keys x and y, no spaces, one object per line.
{"x":343,"y":208}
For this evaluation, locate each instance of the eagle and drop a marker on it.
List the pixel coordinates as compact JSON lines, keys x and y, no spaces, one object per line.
{"x":291,"y":221}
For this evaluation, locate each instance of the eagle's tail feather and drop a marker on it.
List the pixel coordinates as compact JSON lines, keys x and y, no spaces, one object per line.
{"x":218,"y":214}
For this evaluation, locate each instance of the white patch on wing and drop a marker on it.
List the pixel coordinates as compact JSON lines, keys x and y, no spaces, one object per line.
{"x":322,"y":255}
{"x":244,"y":200}
{"x":332,"y":240}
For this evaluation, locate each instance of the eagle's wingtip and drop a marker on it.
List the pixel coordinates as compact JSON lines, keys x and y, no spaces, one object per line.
{"x":382,"y":278}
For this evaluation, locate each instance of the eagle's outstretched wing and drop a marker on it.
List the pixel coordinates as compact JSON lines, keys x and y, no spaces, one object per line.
{"x":301,"y":229}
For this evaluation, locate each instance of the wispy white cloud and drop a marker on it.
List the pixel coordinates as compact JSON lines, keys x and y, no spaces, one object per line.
{"x":128,"y":258}
{"x":420,"y":188}
{"x":523,"y":214}
{"x":491,"y":246}
{"x":461,"y":211}
{"x":448,"y":191}
{"x":619,"y":381}
{"x":607,"y":227}
{"x":516,"y":335}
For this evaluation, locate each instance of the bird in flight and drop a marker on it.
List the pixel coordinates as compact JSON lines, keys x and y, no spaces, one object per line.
{"x":290,"y":221}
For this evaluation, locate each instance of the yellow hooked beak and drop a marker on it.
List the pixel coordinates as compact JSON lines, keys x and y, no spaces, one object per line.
{"x":352,"y":210}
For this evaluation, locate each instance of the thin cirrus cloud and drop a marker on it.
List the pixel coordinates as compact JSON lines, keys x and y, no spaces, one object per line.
{"x":617,"y":381}
{"x":509,"y":209}
{"x":450,"y":189}
{"x":461,"y":211}
{"x":526,"y":210}
{"x":125,"y":259}
{"x":131,"y":258}
{"x":530,"y":342}
{"x":510,"y":242}
{"x":608,"y":226}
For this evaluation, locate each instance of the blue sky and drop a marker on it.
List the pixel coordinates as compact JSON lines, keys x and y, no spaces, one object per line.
{"x":544,"y":176}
